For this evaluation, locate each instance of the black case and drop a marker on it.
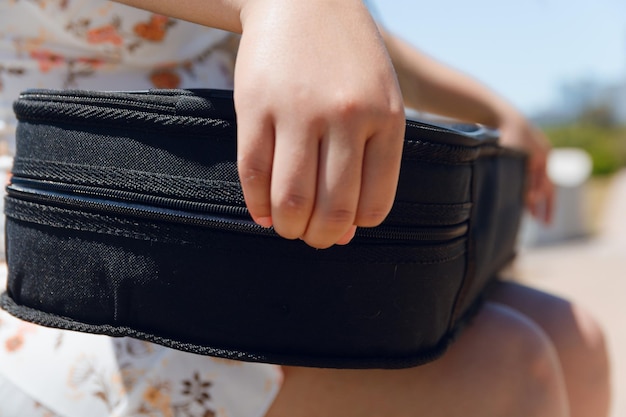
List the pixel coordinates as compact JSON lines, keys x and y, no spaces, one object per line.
{"x":125,"y":217}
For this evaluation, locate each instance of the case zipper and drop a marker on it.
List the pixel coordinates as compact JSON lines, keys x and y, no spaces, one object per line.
{"x":127,"y":101}
{"x":196,"y":213}
{"x":153,"y":101}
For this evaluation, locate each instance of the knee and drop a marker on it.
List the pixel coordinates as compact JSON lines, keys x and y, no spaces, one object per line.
{"x":589,"y":344}
{"x":579,"y":339}
{"x":540,"y":389}
{"x":586,"y":365}
{"x":532,"y":383}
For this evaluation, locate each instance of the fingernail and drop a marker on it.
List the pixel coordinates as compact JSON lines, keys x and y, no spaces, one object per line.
{"x":345,"y":239}
{"x":264,"y":221}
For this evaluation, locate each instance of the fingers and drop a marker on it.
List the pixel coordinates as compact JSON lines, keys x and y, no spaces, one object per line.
{"x":294,"y":179}
{"x":338,"y":186}
{"x":549,"y":201}
{"x":308,"y":116}
{"x":255,"y":155}
{"x":519,"y":133}
{"x":540,"y":195}
{"x":318,"y":186}
{"x":381,"y":169}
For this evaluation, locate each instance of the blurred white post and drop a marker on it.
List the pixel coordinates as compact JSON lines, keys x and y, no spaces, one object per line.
{"x":569,"y":169}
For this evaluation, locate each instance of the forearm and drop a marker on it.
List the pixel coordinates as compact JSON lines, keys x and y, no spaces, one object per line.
{"x":430,"y":86}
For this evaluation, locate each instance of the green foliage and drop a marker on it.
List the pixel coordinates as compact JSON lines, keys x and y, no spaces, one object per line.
{"x":606,"y":143}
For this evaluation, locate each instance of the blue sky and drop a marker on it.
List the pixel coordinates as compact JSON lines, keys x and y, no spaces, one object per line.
{"x":523,"y":49}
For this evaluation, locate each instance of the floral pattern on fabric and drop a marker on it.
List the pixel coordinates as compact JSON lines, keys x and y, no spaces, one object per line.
{"x":118,"y":35}
{"x":44,"y":372}
{"x":101,"y":45}
{"x":54,"y":373}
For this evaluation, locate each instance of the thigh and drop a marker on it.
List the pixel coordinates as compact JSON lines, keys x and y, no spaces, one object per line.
{"x":502,"y":364}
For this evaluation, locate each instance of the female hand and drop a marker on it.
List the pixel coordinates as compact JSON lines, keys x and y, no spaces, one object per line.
{"x":517,"y":132}
{"x":320,"y":119}
{"x":319,"y":112}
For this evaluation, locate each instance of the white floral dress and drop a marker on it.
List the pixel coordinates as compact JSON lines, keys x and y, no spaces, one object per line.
{"x":91,"y":44}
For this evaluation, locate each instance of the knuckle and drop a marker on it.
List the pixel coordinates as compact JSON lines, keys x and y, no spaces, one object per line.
{"x":372,"y":217}
{"x":338,"y":216}
{"x":393,"y":113}
{"x":348,"y":102}
{"x":294,"y":204}
{"x":399,"y":111}
{"x":291,"y":213}
{"x":396,"y":119}
{"x":253,"y":171}
{"x":346,"y":106}
{"x":396,"y":111}
{"x":328,"y":227}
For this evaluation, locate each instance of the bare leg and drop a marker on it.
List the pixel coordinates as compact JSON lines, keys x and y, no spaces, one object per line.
{"x":501,"y":365}
{"x":579,"y":342}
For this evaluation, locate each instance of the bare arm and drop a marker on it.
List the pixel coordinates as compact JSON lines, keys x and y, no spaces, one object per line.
{"x":434,"y":87}
{"x":431,"y":86}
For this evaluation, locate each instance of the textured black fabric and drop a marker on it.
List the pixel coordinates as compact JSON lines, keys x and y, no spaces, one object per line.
{"x":125,"y":217}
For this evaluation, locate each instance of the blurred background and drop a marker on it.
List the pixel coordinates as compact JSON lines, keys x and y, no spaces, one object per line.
{"x":563,"y":63}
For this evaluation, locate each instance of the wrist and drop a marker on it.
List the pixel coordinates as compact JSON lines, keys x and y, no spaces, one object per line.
{"x":249,"y":10}
{"x":506,"y":115}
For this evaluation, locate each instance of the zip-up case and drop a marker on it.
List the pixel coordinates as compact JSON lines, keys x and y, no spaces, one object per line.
{"x":125,"y":217}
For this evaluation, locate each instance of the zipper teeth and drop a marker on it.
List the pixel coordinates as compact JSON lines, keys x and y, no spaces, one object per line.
{"x":426,"y":234}
{"x":30,"y":186}
{"x":194,"y":213}
{"x":136,"y":210}
{"x":61,"y":98}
